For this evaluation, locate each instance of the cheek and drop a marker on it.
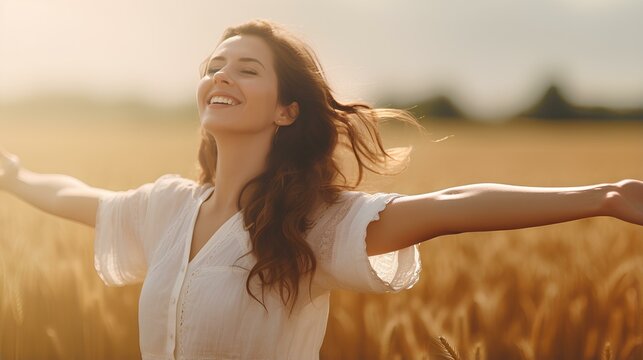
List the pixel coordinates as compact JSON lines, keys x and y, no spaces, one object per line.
{"x":263,"y":89}
{"x":264,"y":98}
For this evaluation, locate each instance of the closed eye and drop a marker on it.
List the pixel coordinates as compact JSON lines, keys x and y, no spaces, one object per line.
{"x":213,"y":71}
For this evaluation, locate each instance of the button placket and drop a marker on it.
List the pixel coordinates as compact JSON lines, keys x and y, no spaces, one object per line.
{"x":183,"y":303}
{"x":172,"y":311}
{"x":171,"y":324}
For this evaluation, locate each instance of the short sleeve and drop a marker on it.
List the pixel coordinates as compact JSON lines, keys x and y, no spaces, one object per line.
{"x":350,"y":268}
{"x":119,"y":241}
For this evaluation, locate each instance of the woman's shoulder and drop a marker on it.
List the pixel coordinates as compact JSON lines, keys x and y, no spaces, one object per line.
{"x":346,"y":198}
{"x":175,"y":186}
{"x":351,"y":203}
{"x":328,"y":214}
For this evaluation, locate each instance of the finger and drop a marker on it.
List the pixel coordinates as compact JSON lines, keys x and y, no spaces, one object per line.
{"x":8,"y":158}
{"x":4,"y":153}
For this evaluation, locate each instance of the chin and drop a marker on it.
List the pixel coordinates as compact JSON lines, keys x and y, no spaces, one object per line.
{"x":221,"y":126}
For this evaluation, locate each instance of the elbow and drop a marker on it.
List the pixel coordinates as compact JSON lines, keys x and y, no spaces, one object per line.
{"x":452,"y":191}
{"x":465,"y":190}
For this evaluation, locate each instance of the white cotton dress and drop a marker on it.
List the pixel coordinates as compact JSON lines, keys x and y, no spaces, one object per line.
{"x":200,"y":309}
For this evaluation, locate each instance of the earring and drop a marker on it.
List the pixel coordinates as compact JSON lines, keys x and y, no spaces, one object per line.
{"x":274,"y":138}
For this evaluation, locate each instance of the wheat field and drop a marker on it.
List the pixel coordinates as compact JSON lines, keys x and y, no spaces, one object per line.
{"x":564,"y":291}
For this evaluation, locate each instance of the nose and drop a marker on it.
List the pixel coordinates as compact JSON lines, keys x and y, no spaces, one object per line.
{"x":221,"y":76}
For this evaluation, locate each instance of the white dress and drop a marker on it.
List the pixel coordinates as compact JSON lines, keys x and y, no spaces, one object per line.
{"x":200,"y":309}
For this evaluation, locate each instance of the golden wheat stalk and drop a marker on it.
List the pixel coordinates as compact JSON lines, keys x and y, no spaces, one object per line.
{"x":607,"y":352}
{"x":439,"y":348}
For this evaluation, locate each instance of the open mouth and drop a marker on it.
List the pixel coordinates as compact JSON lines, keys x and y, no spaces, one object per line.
{"x":220,"y":102}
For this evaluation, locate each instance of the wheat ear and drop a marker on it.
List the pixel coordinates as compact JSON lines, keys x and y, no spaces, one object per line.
{"x":607,"y":352}
{"x":449,"y":349}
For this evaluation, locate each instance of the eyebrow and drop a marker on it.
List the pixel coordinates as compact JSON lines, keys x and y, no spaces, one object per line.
{"x":244,"y":59}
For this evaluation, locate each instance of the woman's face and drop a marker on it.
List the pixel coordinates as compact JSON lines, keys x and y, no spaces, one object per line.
{"x":240,"y":67}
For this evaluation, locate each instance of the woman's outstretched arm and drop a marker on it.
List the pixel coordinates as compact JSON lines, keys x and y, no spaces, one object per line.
{"x":412,"y":219}
{"x":57,"y":194}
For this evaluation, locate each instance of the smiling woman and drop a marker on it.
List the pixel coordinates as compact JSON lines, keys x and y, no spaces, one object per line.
{"x":223,"y":259}
{"x":270,"y":213}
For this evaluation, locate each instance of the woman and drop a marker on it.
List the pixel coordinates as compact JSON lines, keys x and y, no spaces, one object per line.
{"x":223,"y":259}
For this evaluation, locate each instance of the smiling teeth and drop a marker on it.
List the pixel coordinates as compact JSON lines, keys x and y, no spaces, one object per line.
{"x":222,"y":100}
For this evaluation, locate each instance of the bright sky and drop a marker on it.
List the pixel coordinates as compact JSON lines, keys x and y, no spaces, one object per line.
{"x":491,"y":56}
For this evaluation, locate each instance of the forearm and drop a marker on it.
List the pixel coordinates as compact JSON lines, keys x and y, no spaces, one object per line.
{"x":491,"y":206}
{"x":42,"y":190}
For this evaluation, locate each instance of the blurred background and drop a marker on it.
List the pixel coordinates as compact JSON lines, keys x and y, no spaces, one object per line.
{"x":537,"y":93}
{"x":487,"y":60}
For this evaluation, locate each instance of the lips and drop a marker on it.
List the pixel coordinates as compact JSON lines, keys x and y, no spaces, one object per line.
{"x":221,"y":106}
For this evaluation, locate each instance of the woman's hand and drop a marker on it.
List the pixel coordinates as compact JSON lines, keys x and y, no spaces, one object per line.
{"x":625,"y":201}
{"x":9,"y":167}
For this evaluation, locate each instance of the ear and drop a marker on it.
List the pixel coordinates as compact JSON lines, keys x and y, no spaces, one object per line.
{"x":288,"y":114}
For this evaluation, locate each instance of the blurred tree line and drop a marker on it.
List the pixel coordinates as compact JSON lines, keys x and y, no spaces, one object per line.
{"x":552,"y":105}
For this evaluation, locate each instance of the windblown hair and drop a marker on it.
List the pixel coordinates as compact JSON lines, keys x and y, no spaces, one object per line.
{"x":303,"y":166}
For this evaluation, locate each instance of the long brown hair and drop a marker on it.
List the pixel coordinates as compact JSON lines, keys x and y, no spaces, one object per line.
{"x":303,"y":168}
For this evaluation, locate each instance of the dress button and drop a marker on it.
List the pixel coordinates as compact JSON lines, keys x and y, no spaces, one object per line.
{"x":173,"y":301}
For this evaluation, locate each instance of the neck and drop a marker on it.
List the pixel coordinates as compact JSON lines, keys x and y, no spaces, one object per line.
{"x":239,"y":159}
